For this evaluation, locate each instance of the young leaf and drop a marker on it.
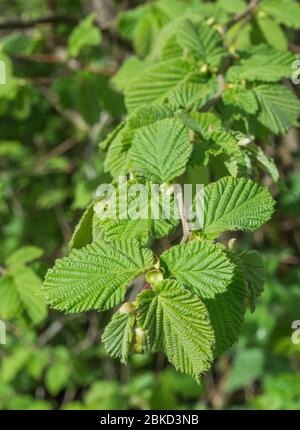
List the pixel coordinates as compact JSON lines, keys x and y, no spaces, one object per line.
{"x":96,"y":276}
{"x":194,"y":93}
{"x":128,"y":71}
{"x":286,"y":12}
{"x":24,"y":255}
{"x":85,"y":34}
{"x":254,"y":274}
{"x":20,"y":294}
{"x":272,"y":32}
{"x":117,"y":161}
{"x":235,"y":204}
{"x":83,"y":233}
{"x":201,"y":123}
{"x":202,"y":267}
{"x":279,"y":107}
{"x":157,"y":83}
{"x":177,"y":322}
{"x":265,"y":162}
{"x":117,"y":335}
{"x":161,"y":151}
{"x":241,"y":98}
{"x":263,"y":64}
{"x":227,"y":311}
{"x":202,"y":41}
{"x":118,"y":223}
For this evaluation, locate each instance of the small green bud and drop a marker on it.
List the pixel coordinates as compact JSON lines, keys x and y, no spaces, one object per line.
{"x":231,"y":243}
{"x":214,"y":69}
{"x":127,"y":308}
{"x":154,"y":277}
{"x":139,"y":340}
{"x":210,"y":21}
{"x":204,"y":69}
{"x":139,"y":336}
{"x":261,"y":14}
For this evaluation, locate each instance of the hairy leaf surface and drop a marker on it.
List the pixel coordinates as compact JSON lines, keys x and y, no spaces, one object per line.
{"x":203,"y":267}
{"x":117,"y":335}
{"x":235,"y":204}
{"x":96,"y":276}
{"x":177,"y":322}
{"x":160,"y":151}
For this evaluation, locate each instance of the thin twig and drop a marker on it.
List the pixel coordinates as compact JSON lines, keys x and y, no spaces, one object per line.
{"x":242,"y":15}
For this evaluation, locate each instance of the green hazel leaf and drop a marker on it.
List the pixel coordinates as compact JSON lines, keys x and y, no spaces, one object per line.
{"x":203,"y":267}
{"x":227,"y":310}
{"x":235,"y":204}
{"x":147,"y":31}
{"x":98,"y":232}
{"x":279,"y":107}
{"x":117,"y":161}
{"x":127,"y":72}
{"x":57,"y":377}
{"x":145,"y":35}
{"x":83,"y":233}
{"x":118,"y":336}
{"x":272,"y":33}
{"x":161,"y":150}
{"x":286,"y":12}
{"x":24,"y":255}
{"x":170,"y":49}
{"x":96,"y":276}
{"x":177,"y":322}
{"x":127,"y":21}
{"x":85,"y":34}
{"x":194,"y":93}
{"x":241,"y":98}
{"x":202,"y":41}
{"x":218,"y":140}
{"x":157,"y":83}
{"x":262,"y":64}
{"x":200,"y":123}
{"x":20,"y":291}
{"x":119,"y":224}
{"x":105,"y":144}
{"x":254,"y":274}
{"x":229,"y":141}
{"x":265,"y":162}
{"x":10,"y":305}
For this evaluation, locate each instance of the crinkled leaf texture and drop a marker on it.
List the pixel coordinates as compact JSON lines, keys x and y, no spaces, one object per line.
{"x":161,"y":150}
{"x":254,"y":274}
{"x":157,"y":83}
{"x":117,"y":161}
{"x":136,"y":220}
{"x":227,"y":311}
{"x":95,"y":276}
{"x":235,"y":204}
{"x":177,"y":323}
{"x":83,"y":233}
{"x":202,"y":41}
{"x":117,"y":336}
{"x":279,"y":107}
{"x":240,"y":97}
{"x":20,"y":292}
{"x":203,"y":267}
{"x":266,"y":64}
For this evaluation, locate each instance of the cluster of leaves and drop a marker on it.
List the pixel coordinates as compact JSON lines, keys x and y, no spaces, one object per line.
{"x":20,"y":287}
{"x":194,"y":101}
{"x":200,"y":73}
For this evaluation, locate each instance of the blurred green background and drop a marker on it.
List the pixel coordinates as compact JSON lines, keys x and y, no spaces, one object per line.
{"x":58,"y":103}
